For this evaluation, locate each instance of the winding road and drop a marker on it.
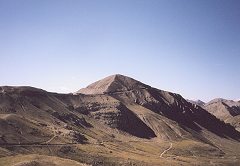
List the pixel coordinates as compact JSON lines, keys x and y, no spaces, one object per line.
{"x":165,"y":151}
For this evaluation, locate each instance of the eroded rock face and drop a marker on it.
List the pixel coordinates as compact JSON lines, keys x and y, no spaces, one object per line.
{"x":122,"y":118}
{"x":71,"y":118}
{"x":110,"y":111}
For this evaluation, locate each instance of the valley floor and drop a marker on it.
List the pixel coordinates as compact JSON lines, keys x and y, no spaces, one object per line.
{"x":139,"y":152}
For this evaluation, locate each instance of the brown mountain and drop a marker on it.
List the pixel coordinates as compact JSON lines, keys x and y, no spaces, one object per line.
{"x":131,"y":92}
{"x":226,"y":110}
{"x":113,"y":84}
{"x":115,"y":121}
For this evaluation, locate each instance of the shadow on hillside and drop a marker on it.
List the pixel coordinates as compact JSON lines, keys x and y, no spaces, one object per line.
{"x":191,"y":116}
{"x":130,"y":123}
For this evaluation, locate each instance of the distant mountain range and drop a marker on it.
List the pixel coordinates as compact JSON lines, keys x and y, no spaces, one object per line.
{"x":118,"y":121}
{"x":225,"y":110}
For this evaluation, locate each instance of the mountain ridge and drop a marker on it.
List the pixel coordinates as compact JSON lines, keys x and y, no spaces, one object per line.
{"x":116,"y":116}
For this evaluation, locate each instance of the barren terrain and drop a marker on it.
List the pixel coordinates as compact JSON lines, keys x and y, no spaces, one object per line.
{"x":114,"y":121}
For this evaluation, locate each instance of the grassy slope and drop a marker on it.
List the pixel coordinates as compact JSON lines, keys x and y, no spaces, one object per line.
{"x":39,"y":160}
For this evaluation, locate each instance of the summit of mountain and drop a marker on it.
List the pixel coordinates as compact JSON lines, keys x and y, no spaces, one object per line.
{"x":112,"y":84}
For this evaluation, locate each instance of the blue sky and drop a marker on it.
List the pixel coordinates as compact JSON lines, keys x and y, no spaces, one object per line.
{"x":191,"y":47}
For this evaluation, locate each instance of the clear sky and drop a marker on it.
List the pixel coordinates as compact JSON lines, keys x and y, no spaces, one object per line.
{"x":191,"y":47}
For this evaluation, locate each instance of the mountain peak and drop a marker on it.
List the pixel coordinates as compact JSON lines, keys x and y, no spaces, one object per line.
{"x":217,"y":100}
{"x":197,"y":102}
{"x":113,"y":83}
